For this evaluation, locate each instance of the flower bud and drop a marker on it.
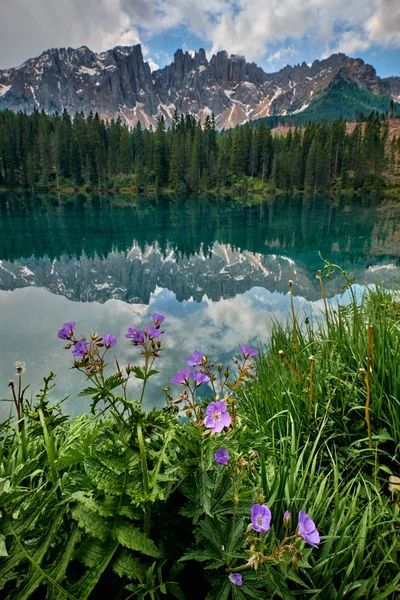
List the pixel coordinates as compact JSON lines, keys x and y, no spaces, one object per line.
{"x":254,"y":455}
{"x":219,"y":367}
{"x":286,"y":519}
{"x":281,"y":353}
{"x":226,"y":373}
{"x":311,"y":358}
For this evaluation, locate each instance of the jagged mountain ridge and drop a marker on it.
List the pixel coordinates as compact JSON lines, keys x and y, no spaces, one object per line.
{"x":134,"y":274}
{"x":119,"y":83}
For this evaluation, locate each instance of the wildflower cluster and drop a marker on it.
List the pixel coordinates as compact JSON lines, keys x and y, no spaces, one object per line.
{"x":90,"y":356}
{"x":221,"y":412}
{"x":260,"y":522}
{"x":215,"y":416}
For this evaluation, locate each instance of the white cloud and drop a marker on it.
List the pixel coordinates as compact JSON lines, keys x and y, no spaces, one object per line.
{"x":383,"y":27}
{"x":153,"y":65}
{"x":249,"y":27}
{"x":282,"y":53}
{"x":349,"y":43}
{"x":27,"y":27}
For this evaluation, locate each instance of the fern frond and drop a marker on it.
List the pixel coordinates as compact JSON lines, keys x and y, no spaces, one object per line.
{"x":91,"y":522}
{"x":125,"y":564}
{"x":132,"y":538}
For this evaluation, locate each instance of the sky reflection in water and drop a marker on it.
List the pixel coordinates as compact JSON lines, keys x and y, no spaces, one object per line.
{"x":218,"y":272}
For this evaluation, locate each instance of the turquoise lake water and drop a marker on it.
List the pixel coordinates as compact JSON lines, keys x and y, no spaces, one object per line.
{"x":217,"y":270}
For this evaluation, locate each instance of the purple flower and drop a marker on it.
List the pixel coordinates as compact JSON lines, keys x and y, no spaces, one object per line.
{"x":260,"y":517}
{"x":80,"y":348}
{"x":307,"y":530}
{"x":109,"y":340}
{"x":222,"y":456}
{"x":66,"y":330}
{"x":286,"y":518}
{"x":195,"y":359}
{"x":182,"y":377}
{"x":153,"y":332}
{"x":236,"y":578}
{"x":247,"y":351}
{"x":199,"y":378}
{"x":135,"y":334}
{"x":217,"y":418}
{"x":158,"y":319}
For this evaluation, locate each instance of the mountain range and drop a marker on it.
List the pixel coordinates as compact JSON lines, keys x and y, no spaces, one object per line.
{"x":119,"y":83}
{"x":133,"y":275}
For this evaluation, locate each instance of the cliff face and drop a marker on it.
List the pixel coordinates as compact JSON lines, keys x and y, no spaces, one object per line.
{"x":119,"y":83}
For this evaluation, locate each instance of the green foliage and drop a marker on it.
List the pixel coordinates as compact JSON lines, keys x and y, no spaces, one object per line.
{"x":138,"y":507}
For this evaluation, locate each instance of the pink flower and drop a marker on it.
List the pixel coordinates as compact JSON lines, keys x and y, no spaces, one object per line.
{"x":217,"y":418}
{"x":247,"y":351}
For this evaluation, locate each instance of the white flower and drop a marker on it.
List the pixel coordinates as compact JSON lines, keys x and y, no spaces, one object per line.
{"x":20,"y":366}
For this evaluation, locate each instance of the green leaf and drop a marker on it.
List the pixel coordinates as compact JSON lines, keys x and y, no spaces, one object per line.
{"x":3,"y":549}
{"x":220,"y":593}
{"x":89,"y":391}
{"x":103,"y":477}
{"x":175,"y":590}
{"x":125,"y":564}
{"x":91,"y":522}
{"x":85,"y":585}
{"x":132,"y":538}
{"x":139,"y":372}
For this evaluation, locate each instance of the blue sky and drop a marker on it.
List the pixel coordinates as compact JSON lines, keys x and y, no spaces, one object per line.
{"x":272,"y":33}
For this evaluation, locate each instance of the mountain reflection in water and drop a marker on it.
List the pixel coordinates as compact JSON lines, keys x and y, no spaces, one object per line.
{"x":90,"y":249}
{"x":217,"y":269}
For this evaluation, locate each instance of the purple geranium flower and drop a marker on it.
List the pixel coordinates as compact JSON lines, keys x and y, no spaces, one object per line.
{"x":66,"y":330}
{"x":153,"y":332}
{"x":182,"y":377}
{"x":158,"y":319}
{"x":260,"y":517}
{"x":236,"y":578}
{"x":307,"y":530}
{"x":217,"y":418}
{"x":80,"y":348}
{"x":286,"y":518}
{"x":222,"y":456}
{"x":109,"y":340}
{"x":199,"y":378}
{"x":135,"y":334}
{"x":195,"y":359}
{"x":247,"y":351}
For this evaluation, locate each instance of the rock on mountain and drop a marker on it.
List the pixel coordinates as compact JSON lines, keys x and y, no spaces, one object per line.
{"x":119,"y":83}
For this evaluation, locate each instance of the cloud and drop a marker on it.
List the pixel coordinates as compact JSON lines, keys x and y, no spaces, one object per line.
{"x":255,"y":28}
{"x":383,"y":27}
{"x":349,"y":43}
{"x":27,"y":27}
{"x":282,"y":53}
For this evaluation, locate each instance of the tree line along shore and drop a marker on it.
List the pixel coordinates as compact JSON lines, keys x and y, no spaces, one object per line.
{"x":82,"y":153}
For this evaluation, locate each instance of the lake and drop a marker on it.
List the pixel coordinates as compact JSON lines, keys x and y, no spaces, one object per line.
{"x":217,"y":269}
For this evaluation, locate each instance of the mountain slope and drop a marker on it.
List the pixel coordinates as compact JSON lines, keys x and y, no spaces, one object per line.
{"x":119,"y":83}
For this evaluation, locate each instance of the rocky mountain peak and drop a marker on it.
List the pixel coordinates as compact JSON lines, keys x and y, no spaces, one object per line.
{"x":119,"y":83}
